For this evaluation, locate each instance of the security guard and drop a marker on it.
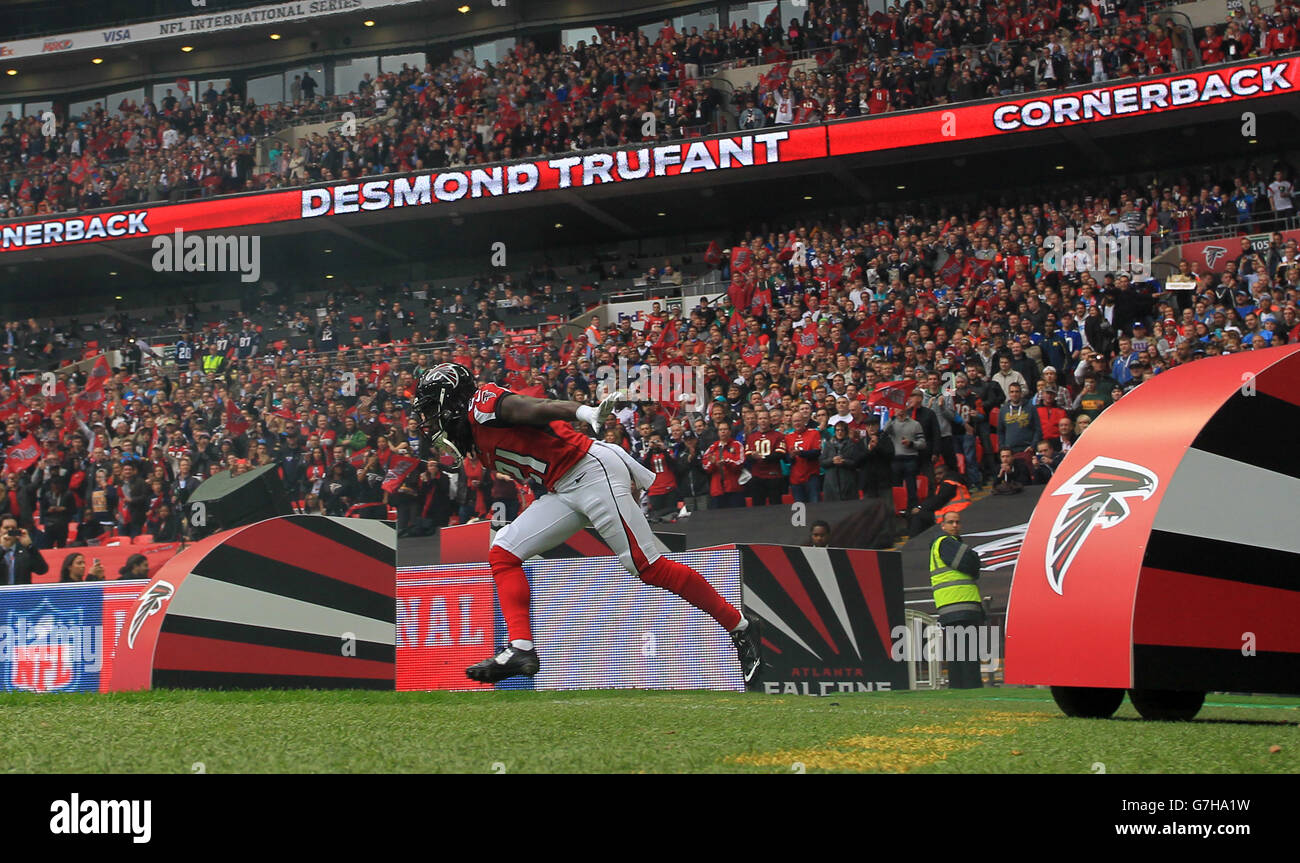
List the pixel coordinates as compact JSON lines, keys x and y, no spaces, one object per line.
{"x":954,"y":577}
{"x":214,"y":361}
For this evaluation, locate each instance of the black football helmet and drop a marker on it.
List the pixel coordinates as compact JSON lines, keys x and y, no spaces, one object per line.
{"x":442,"y":403}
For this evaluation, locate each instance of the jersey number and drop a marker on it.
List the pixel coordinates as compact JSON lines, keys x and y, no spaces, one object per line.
{"x":519,"y":466}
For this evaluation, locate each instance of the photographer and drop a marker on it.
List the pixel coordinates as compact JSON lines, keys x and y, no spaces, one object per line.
{"x":663,"y":491}
{"x":693,"y":480}
{"x":19,"y":558}
{"x":1046,"y":460}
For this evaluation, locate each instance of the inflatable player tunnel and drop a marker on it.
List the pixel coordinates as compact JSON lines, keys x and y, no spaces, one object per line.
{"x":302,"y":601}
{"x":1164,"y":556}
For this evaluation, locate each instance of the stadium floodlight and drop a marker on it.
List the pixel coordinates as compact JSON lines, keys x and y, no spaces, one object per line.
{"x":97,"y":60}
{"x":275,"y":36}
{"x":11,"y":72}
{"x":187,"y":48}
{"x":463,"y":9}
{"x":368,"y":23}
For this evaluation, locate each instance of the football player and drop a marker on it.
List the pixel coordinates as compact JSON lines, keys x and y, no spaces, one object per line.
{"x":588,"y":482}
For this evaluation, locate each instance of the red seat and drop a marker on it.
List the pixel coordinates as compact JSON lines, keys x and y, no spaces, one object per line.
{"x":900,"y":499}
{"x":143,"y":539}
{"x":787,"y":498}
{"x":922,"y":487}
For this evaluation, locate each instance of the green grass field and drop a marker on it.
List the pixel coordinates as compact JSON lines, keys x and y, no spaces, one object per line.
{"x":991,"y":730}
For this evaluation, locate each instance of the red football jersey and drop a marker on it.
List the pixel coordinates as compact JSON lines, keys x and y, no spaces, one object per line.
{"x":803,"y":469}
{"x":523,"y":452}
{"x":760,"y":445}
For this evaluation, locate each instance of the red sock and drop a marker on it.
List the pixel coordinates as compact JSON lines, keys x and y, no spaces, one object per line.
{"x":692,"y":587}
{"x":512,"y":592}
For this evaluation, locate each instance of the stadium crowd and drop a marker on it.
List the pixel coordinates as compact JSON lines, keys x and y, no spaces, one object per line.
{"x":533,"y":103}
{"x":845,"y":359}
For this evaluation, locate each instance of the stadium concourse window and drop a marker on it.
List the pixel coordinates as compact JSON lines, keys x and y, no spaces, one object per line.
{"x":35,"y":109}
{"x":390,"y":63}
{"x":267,"y":89}
{"x":495,"y":51}
{"x":295,"y":92}
{"x":348,"y":74}
{"x":79,"y":109}
{"x":571,"y":38}
{"x":683,"y":23}
{"x":756,"y":13}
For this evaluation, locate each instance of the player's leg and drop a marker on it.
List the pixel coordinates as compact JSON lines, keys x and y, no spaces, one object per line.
{"x":547,"y":522}
{"x":608,"y":500}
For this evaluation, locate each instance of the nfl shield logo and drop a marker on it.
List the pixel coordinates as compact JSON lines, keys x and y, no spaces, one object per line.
{"x":44,"y":649}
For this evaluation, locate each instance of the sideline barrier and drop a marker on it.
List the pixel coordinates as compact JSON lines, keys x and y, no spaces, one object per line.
{"x":112,"y":556}
{"x":827,"y":618}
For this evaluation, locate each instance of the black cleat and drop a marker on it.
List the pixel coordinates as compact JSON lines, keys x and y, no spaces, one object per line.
{"x":748,"y":644}
{"x":510,"y":661}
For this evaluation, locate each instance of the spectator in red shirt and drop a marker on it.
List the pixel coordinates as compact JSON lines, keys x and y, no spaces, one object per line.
{"x":804,"y":449}
{"x":724,"y":460}
{"x":764,"y":452}
{"x":1050,"y":416}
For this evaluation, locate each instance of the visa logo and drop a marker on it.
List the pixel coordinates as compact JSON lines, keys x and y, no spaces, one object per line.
{"x":117,"y":35}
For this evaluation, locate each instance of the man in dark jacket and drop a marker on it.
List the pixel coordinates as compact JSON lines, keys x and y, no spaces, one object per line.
{"x":878,"y":458}
{"x":136,"y":496}
{"x":841,"y":456}
{"x":19,"y":557}
{"x":930,"y":427}
{"x":692,"y":478}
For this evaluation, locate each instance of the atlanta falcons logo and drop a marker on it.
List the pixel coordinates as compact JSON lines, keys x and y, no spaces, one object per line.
{"x":1098,"y":498}
{"x":1213,"y":253}
{"x":149,"y":605}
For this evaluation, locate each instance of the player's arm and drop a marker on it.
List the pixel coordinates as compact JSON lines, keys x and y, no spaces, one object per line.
{"x":515,"y":409}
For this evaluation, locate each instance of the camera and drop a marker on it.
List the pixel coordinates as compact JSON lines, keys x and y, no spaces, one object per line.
{"x":14,"y":531}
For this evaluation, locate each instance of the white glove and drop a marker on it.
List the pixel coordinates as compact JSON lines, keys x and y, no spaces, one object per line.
{"x":596,"y":416}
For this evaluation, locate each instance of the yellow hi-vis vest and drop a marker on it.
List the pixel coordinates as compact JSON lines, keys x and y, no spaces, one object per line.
{"x":950,"y":586}
{"x":212,"y":363}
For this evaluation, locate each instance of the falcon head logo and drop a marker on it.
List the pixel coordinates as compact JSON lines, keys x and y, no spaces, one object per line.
{"x":1213,"y":253}
{"x":149,"y":604}
{"x":1098,"y":497}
